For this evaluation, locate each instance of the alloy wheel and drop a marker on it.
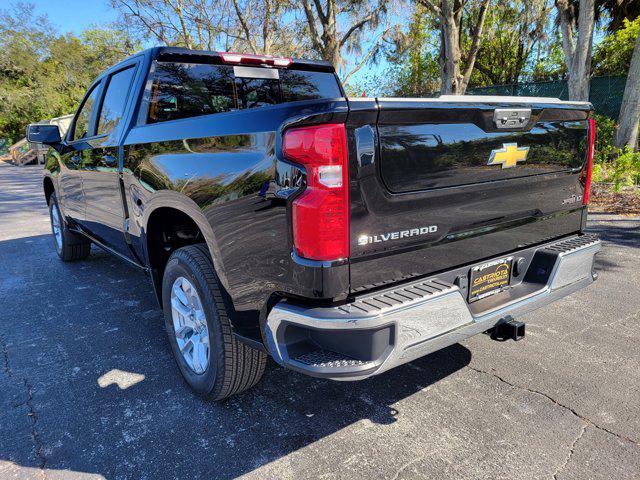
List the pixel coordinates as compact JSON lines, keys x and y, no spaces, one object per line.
{"x":56,"y":226}
{"x":190,"y":325}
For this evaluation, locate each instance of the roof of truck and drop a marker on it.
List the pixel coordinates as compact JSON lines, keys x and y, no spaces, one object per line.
{"x":185,"y":54}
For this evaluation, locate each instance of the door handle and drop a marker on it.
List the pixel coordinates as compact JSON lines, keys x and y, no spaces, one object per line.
{"x":110,"y":160}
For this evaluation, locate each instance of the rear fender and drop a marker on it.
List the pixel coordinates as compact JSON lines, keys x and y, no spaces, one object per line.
{"x":182,"y":203}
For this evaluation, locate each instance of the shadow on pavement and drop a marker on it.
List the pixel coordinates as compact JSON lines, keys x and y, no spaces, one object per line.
{"x":620,"y":231}
{"x":90,"y":385}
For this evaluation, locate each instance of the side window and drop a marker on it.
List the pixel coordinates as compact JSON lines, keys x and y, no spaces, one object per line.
{"x":81,"y":126}
{"x":115,"y":100}
{"x":182,"y":90}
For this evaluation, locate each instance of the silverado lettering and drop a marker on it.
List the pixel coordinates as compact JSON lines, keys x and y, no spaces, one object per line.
{"x":385,"y":237}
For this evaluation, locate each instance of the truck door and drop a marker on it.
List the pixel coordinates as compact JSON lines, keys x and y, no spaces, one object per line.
{"x":105,"y":215}
{"x":70,"y":194}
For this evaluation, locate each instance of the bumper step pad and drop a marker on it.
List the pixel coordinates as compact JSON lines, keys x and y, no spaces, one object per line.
{"x":391,"y":299}
{"x":567,"y":246}
{"x":328,"y":359}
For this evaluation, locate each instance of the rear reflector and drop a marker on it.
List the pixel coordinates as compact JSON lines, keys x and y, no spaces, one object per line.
{"x":587,"y":173}
{"x":250,"y":59}
{"x":321,"y":212}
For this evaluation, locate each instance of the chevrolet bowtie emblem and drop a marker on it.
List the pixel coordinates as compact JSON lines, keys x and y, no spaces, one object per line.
{"x":509,"y":155}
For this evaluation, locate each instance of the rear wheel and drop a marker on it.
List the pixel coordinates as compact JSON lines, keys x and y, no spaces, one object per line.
{"x":69,"y":246}
{"x":196,"y":313}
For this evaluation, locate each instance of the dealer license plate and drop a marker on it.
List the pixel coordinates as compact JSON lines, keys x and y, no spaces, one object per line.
{"x":489,"y":278}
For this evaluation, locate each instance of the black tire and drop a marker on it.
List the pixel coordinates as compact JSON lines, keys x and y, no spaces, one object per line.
{"x":69,"y":246}
{"x":232,"y":366}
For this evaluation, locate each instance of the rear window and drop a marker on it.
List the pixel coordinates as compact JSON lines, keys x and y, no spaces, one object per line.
{"x":182,"y":90}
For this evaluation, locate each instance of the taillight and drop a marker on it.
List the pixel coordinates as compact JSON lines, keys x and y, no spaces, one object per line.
{"x":321,"y":212}
{"x":250,"y":59}
{"x":589,"y":166}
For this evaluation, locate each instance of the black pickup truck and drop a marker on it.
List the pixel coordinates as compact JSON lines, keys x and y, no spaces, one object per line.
{"x":342,"y":236}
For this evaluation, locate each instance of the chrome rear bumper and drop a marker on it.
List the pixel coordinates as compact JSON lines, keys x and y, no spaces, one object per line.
{"x":382,"y":330}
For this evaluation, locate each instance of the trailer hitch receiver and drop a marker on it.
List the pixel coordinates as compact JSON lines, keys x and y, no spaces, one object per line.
{"x":508,"y":329}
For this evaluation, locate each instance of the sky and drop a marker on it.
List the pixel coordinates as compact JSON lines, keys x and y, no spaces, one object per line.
{"x":75,"y":15}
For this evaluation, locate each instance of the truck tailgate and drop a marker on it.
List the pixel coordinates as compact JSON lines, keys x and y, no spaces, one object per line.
{"x":440,"y":183}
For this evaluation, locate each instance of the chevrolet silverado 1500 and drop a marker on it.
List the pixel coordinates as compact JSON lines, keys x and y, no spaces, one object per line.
{"x":341,"y":236}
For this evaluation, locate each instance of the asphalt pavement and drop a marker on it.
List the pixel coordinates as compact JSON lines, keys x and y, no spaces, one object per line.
{"x":88,"y":387}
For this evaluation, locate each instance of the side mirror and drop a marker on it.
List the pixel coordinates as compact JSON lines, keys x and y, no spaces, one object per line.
{"x":47,"y":134}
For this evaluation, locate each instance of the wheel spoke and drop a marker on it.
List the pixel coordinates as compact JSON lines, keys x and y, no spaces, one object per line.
{"x":183,"y":331}
{"x":182,"y":309}
{"x":187,"y":348}
{"x":200,"y":353}
{"x":189,"y":291}
{"x":179,"y":292}
{"x":200,"y":317}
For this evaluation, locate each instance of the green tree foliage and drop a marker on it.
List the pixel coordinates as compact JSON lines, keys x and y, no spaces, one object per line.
{"x":518,"y":43}
{"x":615,"y":12}
{"x":621,"y":170}
{"x":549,"y":64}
{"x":514,"y":31}
{"x":412,"y":55}
{"x":44,"y":74}
{"x":521,"y":43}
{"x":417,"y":71}
{"x":620,"y":167}
{"x":420,"y":73}
{"x":613,"y":55}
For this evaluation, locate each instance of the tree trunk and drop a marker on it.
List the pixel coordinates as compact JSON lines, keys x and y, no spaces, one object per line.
{"x":326,"y":43}
{"x":577,"y":54}
{"x":476,"y":37}
{"x":332,"y":50}
{"x":578,"y":87}
{"x":330,"y":36}
{"x":627,"y":134}
{"x":183,"y":25}
{"x":450,"y":61}
{"x":453,"y":79}
{"x":581,"y":68}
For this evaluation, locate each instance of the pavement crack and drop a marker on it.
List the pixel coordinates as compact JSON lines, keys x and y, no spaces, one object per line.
{"x":566,"y":407}
{"x":31,"y":413}
{"x":37,"y":441}
{"x":5,"y":357}
{"x":405,"y":466}
{"x":572,"y":449}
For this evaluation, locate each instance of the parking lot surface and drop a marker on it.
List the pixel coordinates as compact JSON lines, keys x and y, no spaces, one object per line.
{"x":88,"y":387}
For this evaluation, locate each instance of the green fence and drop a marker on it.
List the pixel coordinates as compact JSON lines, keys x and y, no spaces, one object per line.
{"x":605,"y":92}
